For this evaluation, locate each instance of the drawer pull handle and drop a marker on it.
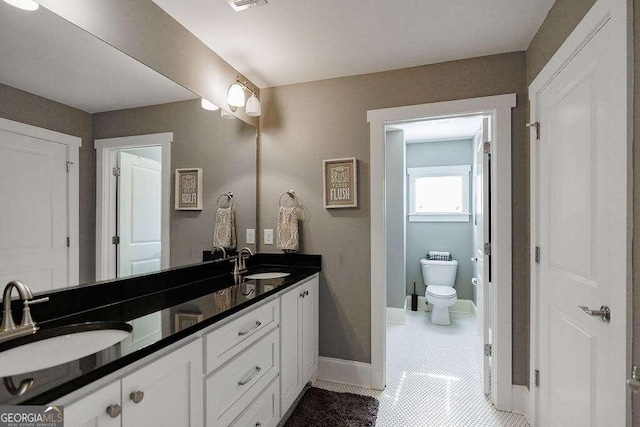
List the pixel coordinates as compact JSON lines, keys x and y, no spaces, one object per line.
{"x":114,"y":410}
{"x":254,"y":327}
{"x":248,"y":380}
{"x":136,"y":396}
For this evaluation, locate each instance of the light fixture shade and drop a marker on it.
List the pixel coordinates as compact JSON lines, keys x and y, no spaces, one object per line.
{"x":235,"y":96}
{"x":226,"y":115}
{"x":29,"y":5}
{"x":208,"y":105}
{"x":253,"y":106}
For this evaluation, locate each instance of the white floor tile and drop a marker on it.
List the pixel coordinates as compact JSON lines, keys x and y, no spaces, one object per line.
{"x":433,"y":377}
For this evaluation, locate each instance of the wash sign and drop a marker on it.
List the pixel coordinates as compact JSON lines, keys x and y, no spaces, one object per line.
{"x":31,"y":416}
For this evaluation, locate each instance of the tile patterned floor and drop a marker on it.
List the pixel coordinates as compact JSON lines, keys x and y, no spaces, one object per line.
{"x":433,"y":378}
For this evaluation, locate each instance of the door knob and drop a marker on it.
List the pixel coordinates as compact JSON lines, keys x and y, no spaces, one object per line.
{"x":114,"y":410}
{"x":634,"y":381}
{"x":136,"y":396}
{"x":604,"y":312}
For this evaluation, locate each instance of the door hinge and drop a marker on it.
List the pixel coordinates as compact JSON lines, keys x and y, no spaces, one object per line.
{"x":487,"y":248}
{"x":488,"y":349}
{"x":115,"y":240}
{"x":116,"y":171}
{"x":535,"y":125}
{"x":537,"y":255}
{"x":487,"y":147}
{"x":69,"y":166}
{"x":68,"y":241}
{"x":536,"y":378}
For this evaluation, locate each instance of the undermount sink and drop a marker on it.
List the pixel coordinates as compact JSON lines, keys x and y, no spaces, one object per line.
{"x":271,"y":275}
{"x":55,"y":346}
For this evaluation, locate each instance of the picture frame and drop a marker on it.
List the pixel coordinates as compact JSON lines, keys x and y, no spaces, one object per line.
{"x":188,"y":189}
{"x":340,"y":183}
{"x":184,"y":320}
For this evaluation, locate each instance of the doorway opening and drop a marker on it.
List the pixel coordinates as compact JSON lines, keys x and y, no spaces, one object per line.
{"x":488,"y":234}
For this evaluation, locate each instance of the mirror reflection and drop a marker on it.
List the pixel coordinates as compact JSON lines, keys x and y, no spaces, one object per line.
{"x":91,"y":142}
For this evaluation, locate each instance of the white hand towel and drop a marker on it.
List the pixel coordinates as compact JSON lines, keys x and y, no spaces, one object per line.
{"x":287,"y":231}
{"x":224,"y":229}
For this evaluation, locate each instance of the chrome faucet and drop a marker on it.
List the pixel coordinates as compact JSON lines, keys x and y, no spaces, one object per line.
{"x":219,"y":248}
{"x":242,"y":266}
{"x":8,"y":329}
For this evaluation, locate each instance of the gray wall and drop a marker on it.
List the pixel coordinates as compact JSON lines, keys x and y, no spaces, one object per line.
{"x":455,"y":237}
{"x":302,"y":124}
{"x":225,"y":149}
{"x":395,"y":218}
{"x":636,"y":203}
{"x":34,"y":110}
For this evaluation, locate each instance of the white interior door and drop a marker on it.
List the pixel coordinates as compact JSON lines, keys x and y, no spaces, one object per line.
{"x":139,"y":215}
{"x":481,"y":235}
{"x":581,"y":181}
{"x":34,"y":214}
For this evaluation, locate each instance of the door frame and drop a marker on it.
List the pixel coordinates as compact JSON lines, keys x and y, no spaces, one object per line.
{"x":500,"y":107}
{"x":602,"y":11}
{"x":73,"y":144}
{"x":104,"y":150}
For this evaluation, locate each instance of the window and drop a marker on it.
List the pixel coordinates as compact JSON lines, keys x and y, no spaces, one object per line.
{"x":439,"y":194}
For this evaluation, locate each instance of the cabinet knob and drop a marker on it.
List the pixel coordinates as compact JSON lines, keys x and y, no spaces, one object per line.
{"x":306,"y":293}
{"x":301,"y":294}
{"x":114,"y":411}
{"x":136,"y":396}
{"x":258,"y":424}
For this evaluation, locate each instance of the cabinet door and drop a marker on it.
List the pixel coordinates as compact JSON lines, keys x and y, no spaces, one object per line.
{"x":309,"y":323}
{"x":91,"y":411}
{"x":170,"y":391}
{"x":291,"y":381}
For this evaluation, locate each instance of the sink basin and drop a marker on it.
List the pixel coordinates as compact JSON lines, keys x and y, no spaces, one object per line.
{"x":55,"y":346}
{"x":272,"y":275}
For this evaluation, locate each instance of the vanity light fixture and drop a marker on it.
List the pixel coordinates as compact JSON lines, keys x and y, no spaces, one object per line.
{"x":226,"y":115}
{"x":236,"y":98}
{"x":208,"y":105}
{"x":29,"y":5}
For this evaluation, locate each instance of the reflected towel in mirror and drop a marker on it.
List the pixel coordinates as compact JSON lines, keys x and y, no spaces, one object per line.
{"x":224,"y":228}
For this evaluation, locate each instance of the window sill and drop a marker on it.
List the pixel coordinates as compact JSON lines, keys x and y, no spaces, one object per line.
{"x":448,"y":217}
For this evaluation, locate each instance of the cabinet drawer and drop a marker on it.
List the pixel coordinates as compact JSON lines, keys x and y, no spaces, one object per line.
{"x":229,"y":340}
{"x":264,"y":411}
{"x":232,"y":388}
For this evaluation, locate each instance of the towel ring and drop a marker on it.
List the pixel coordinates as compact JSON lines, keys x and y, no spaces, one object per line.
{"x":291,"y":194}
{"x":229,"y":197}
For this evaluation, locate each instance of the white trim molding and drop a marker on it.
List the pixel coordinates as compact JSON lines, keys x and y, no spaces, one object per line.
{"x":397,"y":315}
{"x":73,"y":144}
{"x":522,"y":401}
{"x":347,"y":372}
{"x":105,"y":190}
{"x":499,"y":107}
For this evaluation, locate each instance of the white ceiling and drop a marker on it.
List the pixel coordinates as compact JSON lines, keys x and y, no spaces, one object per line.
{"x":440,"y":129}
{"x":291,"y":41}
{"x":43,"y":54}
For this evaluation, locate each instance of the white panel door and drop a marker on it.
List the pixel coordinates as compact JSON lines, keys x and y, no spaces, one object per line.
{"x":291,"y":381}
{"x":582,"y":238}
{"x":33,"y":218}
{"x":139,"y":215}
{"x":91,"y":411}
{"x":172,"y":391}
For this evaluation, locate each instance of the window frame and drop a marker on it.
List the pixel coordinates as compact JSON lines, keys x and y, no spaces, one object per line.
{"x":463,"y":171}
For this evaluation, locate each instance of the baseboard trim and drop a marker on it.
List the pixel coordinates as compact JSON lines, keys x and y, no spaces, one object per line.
{"x":347,"y":372}
{"x":396,"y":315}
{"x":521,"y":402}
{"x":474,"y":311}
{"x":461,"y":305}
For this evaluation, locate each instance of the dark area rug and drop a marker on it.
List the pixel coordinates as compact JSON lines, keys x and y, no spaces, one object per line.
{"x":323,"y":408}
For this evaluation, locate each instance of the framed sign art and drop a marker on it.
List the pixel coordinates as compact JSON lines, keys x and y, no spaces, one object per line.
{"x":340,"y":183}
{"x":189,"y":189}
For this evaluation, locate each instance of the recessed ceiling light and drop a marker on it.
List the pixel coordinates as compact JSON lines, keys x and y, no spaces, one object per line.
{"x":239,"y":5}
{"x":29,"y":5}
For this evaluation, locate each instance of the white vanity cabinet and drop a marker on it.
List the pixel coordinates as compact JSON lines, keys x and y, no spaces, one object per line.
{"x":165,"y":393}
{"x":298,"y":340}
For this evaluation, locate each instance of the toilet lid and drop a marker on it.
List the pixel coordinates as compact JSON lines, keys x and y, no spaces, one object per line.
{"x":441,"y":291}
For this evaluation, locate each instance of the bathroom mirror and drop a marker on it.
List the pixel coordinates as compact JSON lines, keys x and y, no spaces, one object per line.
{"x":90,"y":140}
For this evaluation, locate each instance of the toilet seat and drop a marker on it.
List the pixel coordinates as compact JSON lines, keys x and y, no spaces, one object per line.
{"x":442,"y":292}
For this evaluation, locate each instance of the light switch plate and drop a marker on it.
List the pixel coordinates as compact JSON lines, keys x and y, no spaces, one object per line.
{"x":268,"y":236}
{"x":251,"y":236}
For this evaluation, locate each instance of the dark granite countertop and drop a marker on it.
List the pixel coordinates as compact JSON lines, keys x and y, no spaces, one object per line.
{"x":175,"y":304}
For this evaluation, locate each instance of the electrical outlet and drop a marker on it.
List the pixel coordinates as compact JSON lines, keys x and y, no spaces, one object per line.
{"x":251,"y":236}
{"x":268,"y":236}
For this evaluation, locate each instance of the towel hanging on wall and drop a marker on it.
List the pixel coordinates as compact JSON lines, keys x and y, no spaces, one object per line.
{"x":287,"y":233}
{"x":224,"y":228}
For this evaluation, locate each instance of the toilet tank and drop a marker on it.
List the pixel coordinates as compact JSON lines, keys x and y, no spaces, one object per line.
{"x":439,"y":273}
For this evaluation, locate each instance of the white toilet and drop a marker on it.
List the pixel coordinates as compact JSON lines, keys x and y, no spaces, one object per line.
{"x":440,"y":278}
